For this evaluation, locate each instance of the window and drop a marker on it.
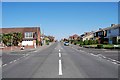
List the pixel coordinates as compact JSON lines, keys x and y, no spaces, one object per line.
{"x":28,"y":35}
{"x":95,"y":34}
{"x":119,"y":31}
{"x":109,"y":31}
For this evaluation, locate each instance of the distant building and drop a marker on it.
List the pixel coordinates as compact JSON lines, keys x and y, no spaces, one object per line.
{"x":31,"y":35}
{"x":87,"y":36}
{"x":74,"y":37}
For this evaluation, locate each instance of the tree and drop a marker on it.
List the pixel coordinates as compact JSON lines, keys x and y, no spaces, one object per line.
{"x":1,"y":37}
{"x":6,"y":38}
{"x":17,"y":37}
{"x":10,"y":39}
{"x":86,"y":42}
{"x":51,"y":38}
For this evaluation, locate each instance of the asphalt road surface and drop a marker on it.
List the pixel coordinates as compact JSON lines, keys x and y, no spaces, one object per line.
{"x":58,"y":61}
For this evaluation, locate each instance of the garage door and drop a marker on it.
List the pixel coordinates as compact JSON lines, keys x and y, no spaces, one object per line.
{"x":25,"y":43}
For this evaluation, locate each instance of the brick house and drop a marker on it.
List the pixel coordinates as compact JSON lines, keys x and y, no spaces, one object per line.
{"x":74,"y":37}
{"x":30,"y":35}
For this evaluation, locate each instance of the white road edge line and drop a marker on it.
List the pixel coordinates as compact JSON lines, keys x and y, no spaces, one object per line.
{"x":60,"y":67}
{"x":35,"y":51}
{"x":18,"y":59}
{"x":60,"y":55}
{"x":4,"y":65}
{"x":114,"y":61}
{"x":14,"y":60}
{"x":11,"y":62}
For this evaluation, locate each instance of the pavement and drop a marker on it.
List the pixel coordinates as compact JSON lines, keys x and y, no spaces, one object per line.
{"x":59,"y":61}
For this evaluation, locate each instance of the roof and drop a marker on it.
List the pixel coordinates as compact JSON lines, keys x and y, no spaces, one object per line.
{"x":22,"y":29}
{"x":111,"y":27}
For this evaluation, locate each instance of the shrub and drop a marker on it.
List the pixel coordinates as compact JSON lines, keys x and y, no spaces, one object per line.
{"x":86,"y":42}
{"x":105,"y":42}
{"x":118,"y":41}
{"x":90,"y":42}
{"x":99,"y":46}
{"x":75,"y":43}
{"x":81,"y":43}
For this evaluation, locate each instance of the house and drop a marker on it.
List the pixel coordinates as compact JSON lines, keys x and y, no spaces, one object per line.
{"x":30,"y":35}
{"x":109,"y":35}
{"x":100,"y":35}
{"x":87,"y":36}
{"x":74,"y":37}
{"x":113,"y":34}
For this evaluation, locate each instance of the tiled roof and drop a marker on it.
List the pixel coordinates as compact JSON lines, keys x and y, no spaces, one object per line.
{"x":111,"y":27}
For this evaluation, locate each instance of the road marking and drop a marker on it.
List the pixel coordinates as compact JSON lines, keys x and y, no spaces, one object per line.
{"x":11,"y":62}
{"x":35,"y":51}
{"x":14,"y":60}
{"x":18,"y":59}
{"x":4,"y":65}
{"x":24,"y":56}
{"x":60,"y":54}
{"x":27,"y":54}
{"x":60,"y":67}
{"x":114,"y":62}
{"x":111,"y":51}
{"x":101,"y":56}
{"x":59,"y":50}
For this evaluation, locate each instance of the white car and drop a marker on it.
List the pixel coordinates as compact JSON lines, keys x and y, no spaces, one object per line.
{"x":66,"y":43}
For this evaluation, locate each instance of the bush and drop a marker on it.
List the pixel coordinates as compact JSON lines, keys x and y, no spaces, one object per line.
{"x":47,"y":43}
{"x":90,"y":42}
{"x":81,"y":43}
{"x":118,"y":41}
{"x":75,"y":43}
{"x":108,"y":47}
{"x":99,"y":46}
{"x":105,"y":42}
{"x":86,"y":42}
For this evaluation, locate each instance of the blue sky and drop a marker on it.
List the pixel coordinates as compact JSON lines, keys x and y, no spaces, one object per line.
{"x":60,"y":19}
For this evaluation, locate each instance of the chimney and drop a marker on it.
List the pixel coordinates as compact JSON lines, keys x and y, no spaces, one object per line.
{"x":112,"y":25}
{"x":100,"y":28}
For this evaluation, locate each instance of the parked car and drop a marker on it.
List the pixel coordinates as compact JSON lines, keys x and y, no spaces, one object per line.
{"x":66,"y":43}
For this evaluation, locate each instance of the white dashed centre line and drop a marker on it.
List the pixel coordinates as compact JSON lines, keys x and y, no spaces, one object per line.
{"x":60,"y":54}
{"x":60,"y":67}
{"x":59,"y":50}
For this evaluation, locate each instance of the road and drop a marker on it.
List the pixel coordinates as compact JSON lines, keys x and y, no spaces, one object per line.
{"x":58,"y":61}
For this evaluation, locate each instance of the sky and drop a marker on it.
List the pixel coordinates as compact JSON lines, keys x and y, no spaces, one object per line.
{"x":60,"y":19}
{"x":60,"y":0}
